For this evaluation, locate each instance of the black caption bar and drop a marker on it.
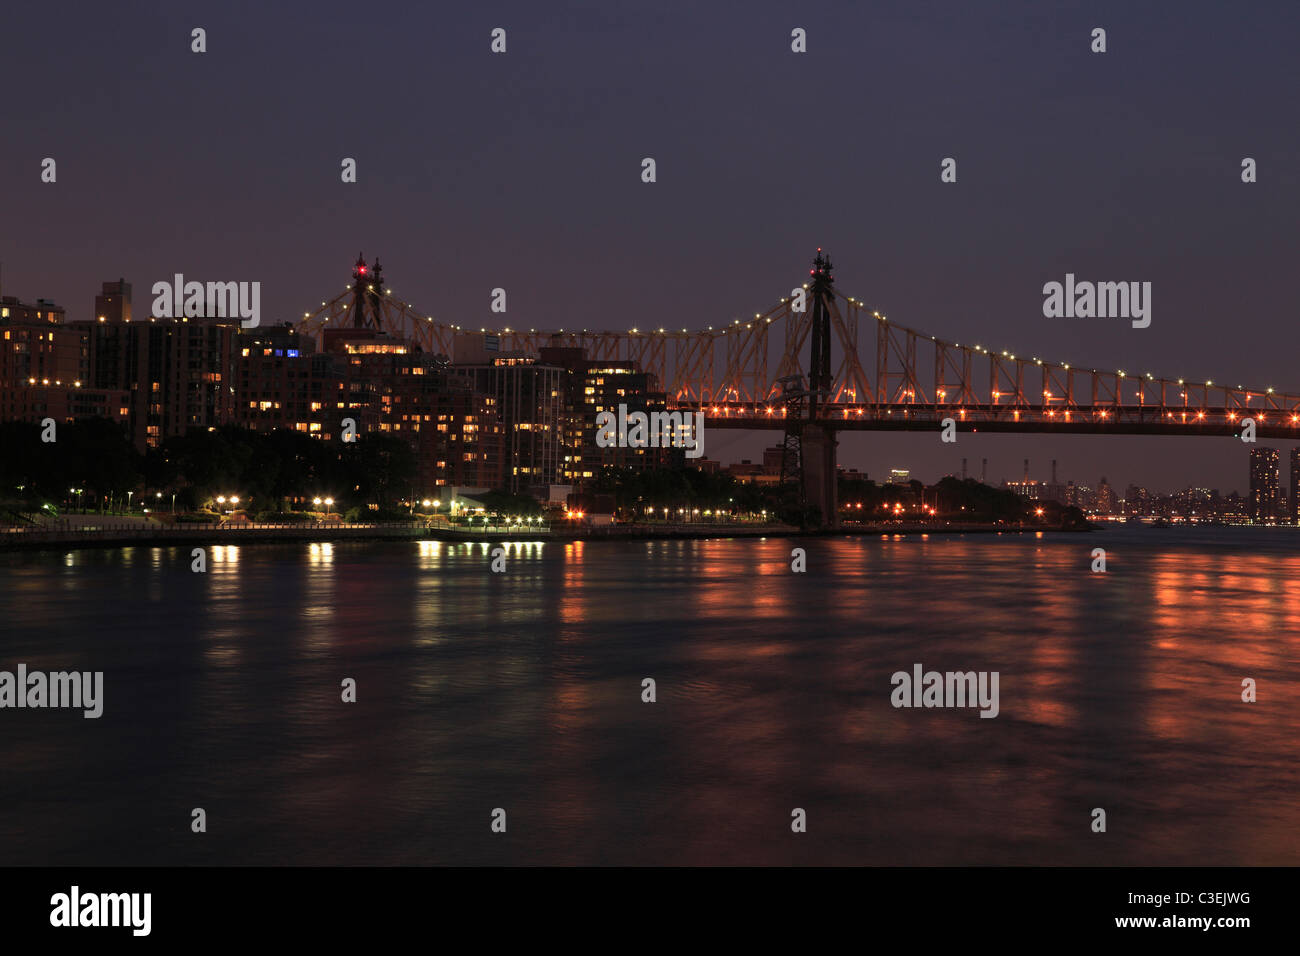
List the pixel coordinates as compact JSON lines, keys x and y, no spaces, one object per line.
{"x":170,"y":905}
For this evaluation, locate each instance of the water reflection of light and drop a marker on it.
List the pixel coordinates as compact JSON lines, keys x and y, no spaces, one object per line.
{"x":225,"y":610}
{"x":1236,"y":625}
{"x":573,"y":597}
{"x":722,"y":588}
{"x":318,"y":608}
{"x":225,"y":554}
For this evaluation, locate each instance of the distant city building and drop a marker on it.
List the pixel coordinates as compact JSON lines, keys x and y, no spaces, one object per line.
{"x":899,"y":476}
{"x":1079,"y":496}
{"x":1054,"y":490}
{"x":1294,"y":499}
{"x":1196,"y":503}
{"x":1028,"y":489}
{"x":1264,"y":485}
{"x":113,"y":304}
{"x":772,"y":458}
{"x":745,"y":471}
{"x":1104,"y":502}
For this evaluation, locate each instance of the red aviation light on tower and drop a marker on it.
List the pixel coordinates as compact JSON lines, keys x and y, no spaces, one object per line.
{"x":361,"y":269}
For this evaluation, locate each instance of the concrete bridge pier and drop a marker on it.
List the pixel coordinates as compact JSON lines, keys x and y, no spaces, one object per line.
{"x":819,"y":482}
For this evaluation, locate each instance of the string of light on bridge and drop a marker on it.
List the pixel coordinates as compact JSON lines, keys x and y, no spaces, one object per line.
{"x":887,"y":397}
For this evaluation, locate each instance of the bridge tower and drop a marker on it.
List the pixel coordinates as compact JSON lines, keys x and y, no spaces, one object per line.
{"x":821,"y":291}
{"x":367,"y":294}
{"x":818,"y":442}
{"x":793,"y":395}
{"x":810,"y":442}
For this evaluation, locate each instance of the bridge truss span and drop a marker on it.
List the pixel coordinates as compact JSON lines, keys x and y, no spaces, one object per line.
{"x":882,"y":375}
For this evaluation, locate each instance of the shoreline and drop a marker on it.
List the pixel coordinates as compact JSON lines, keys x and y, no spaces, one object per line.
{"x":127,"y":536}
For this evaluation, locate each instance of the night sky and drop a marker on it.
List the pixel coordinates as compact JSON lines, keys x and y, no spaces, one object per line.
{"x":523,"y":171}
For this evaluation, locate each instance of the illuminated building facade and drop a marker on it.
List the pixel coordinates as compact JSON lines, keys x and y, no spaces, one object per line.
{"x":1264,"y":485}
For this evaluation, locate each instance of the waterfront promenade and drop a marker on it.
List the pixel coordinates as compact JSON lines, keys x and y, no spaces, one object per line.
{"x":113,"y":532}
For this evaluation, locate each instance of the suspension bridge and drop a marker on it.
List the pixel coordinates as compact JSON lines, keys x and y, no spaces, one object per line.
{"x":818,"y":362}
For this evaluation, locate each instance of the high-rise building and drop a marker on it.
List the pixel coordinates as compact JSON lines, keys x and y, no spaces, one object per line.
{"x":529,"y":401}
{"x":45,"y":368}
{"x":177,"y":373}
{"x":283,"y":382}
{"x":1264,"y":485}
{"x":113,"y":304}
{"x":1294,"y":500}
{"x":180,"y":373}
{"x":1080,"y":496}
{"x":388,"y":385}
{"x":592,"y":386}
{"x":1104,"y":501}
{"x":37,"y":348}
{"x":1195,"y":503}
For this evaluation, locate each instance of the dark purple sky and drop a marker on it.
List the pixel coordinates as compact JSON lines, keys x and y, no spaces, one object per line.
{"x":523,"y":171}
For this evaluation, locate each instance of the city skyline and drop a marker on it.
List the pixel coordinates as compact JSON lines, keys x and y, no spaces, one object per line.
{"x":530,"y":168}
{"x":734,"y":447}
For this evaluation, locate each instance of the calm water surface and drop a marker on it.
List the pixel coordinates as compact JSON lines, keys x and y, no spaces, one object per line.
{"x":523,"y":691}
